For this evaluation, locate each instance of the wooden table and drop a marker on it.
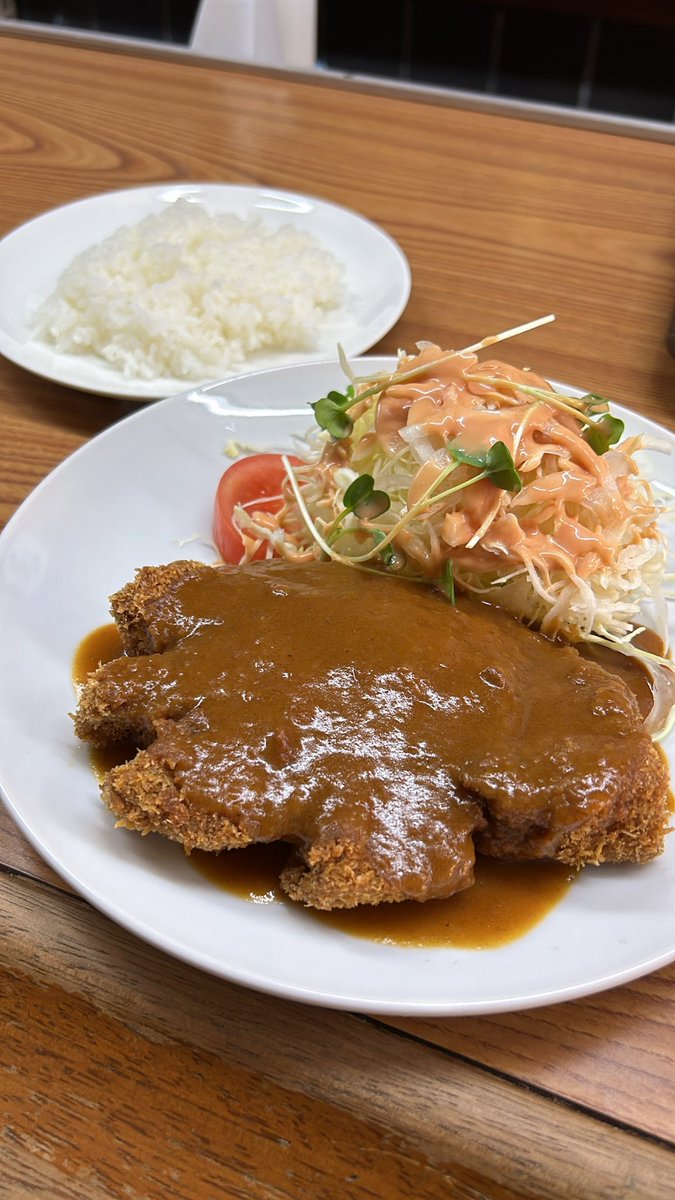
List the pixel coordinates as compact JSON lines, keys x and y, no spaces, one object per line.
{"x":125,"y":1073}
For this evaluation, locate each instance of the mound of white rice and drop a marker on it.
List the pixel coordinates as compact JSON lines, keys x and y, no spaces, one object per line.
{"x":188,"y":295}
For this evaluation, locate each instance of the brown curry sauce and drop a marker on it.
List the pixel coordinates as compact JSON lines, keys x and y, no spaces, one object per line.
{"x":506,"y":900}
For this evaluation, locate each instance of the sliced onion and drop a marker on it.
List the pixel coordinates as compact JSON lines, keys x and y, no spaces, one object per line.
{"x":661,"y":717}
{"x":419,"y":443}
{"x":659,"y":720}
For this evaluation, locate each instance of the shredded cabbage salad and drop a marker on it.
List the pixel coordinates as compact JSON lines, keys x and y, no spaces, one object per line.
{"x":481,"y":477}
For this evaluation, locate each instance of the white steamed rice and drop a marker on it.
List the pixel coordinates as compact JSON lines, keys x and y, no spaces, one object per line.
{"x":187,"y":295}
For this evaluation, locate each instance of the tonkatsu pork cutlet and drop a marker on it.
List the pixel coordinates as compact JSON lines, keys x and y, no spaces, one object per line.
{"x":376,"y":727}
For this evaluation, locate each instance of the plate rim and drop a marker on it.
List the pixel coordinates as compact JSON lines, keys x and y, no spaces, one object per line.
{"x":143,"y":391}
{"x":259,"y":982}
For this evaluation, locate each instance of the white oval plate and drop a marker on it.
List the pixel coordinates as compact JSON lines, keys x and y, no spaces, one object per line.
{"x":32,"y":257}
{"x":127,"y":499}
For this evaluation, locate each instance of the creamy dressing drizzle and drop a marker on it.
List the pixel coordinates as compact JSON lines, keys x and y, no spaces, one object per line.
{"x":566,"y":514}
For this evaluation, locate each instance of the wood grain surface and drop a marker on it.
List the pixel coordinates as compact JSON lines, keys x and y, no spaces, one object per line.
{"x":126,"y":1074}
{"x":203,"y":1073}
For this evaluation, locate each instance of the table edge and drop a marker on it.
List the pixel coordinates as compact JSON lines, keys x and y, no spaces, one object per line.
{"x":395,"y":89}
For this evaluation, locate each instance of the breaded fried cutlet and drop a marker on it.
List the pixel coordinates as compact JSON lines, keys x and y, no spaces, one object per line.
{"x":378,"y":729}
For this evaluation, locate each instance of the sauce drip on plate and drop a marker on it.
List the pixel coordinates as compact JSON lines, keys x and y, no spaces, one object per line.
{"x":506,"y":900}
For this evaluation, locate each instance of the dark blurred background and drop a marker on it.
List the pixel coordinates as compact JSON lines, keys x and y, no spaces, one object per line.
{"x":602,"y":56}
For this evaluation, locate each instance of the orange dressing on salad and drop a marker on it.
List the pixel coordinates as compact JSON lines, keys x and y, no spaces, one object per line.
{"x":567,"y":523}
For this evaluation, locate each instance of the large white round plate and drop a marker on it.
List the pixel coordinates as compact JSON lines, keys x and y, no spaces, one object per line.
{"x":129,"y":498}
{"x":32,"y":257}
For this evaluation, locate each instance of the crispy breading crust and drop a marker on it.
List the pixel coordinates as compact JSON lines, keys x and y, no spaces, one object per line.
{"x":634,"y":832}
{"x":142,"y":797}
{"x":142,"y":794}
{"x":137,"y":607}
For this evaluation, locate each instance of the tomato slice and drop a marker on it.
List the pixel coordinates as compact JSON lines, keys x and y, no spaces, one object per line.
{"x":256,"y":478}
